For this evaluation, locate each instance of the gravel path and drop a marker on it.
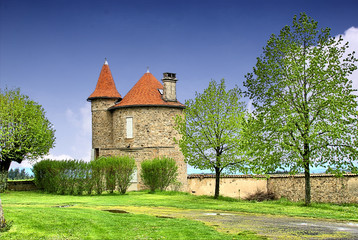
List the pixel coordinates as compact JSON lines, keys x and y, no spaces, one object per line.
{"x":270,"y":226}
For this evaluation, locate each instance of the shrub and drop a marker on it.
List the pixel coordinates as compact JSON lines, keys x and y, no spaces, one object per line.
{"x":159,"y":173}
{"x":149,"y":175}
{"x":77,"y":177}
{"x":260,"y":196}
{"x":62,"y":177}
{"x":97,"y":167}
{"x":125,"y":173}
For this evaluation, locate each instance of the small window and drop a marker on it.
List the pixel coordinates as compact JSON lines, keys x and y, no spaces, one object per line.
{"x":160,"y":91}
{"x":129,"y":127}
{"x":96,"y":153}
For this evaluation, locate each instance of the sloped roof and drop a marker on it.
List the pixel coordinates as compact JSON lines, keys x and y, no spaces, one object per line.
{"x":106,"y":88}
{"x":145,"y":93}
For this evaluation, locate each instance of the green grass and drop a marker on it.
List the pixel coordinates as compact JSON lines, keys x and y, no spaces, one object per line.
{"x":35,"y":215}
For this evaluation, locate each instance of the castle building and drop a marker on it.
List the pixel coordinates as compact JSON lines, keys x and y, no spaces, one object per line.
{"x":139,"y":125}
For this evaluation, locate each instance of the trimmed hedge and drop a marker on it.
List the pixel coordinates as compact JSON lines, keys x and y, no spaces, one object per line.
{"x":159,"y":173}
{"x":76,"y":177}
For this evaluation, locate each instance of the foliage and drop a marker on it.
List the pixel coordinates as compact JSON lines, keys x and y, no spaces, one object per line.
{"x":305,"y":110}
{"x":62,"y":177}
{"x":159,"y":173}
{"x":17,"y":174}
{"x":260,"y":196}
{"x":25,"y":132}
{"x":211,"y":130}
{"x":76,"y":177}
{"x":149,"y":175}
{"x":125,"y":173}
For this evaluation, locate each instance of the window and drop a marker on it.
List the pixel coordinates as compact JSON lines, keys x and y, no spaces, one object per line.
{"x":129,"y":127}
{"x":94,"y":153}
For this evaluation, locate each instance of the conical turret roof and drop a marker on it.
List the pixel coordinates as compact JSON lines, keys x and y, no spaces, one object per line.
{"x":106,"y":88}
{"x":146,"y":92}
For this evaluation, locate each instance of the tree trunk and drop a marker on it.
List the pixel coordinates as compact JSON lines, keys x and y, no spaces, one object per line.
{"x":4,"y":170}
{"x":217,"y":182}
{"x":4,"y":165}
{"x":2,"y":219}
{"x":306,"y":164}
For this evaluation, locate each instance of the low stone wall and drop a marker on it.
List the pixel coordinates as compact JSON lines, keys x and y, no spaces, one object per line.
{"x":21,"y":185}
{"x":236,"y":186}
{"x":324,"y":187}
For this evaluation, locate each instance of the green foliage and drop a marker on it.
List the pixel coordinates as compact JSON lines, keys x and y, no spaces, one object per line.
{"x":125,"y":173}
{"x":305,"y":109}
{"x":159,"y":173}
{"x":61,"y":177}
{"x":211,"y":130}
{"x":78,"y":177}
{"x":25,"y":132}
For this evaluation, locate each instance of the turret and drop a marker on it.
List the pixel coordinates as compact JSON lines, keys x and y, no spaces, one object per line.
{"x":104,"y":96}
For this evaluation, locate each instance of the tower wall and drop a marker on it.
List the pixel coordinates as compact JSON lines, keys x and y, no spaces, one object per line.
{"x":101,"y":123}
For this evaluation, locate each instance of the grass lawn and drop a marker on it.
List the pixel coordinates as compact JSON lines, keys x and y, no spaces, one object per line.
{"x":36,"y":215}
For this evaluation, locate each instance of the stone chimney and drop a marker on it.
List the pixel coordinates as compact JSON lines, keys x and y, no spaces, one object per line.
{"x":169,"y":83}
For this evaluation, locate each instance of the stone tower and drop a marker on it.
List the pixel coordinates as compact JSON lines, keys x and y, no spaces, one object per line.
{"x":140,"y":125}
{"x":103,"y":97}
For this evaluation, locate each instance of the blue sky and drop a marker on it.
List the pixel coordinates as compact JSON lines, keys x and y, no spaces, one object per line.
{"x":54,"y":50}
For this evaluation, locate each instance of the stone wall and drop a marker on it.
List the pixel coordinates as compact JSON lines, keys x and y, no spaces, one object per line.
{"x":324,"y":187}
{"x":101,"y":123}
{"x":21,"y":185}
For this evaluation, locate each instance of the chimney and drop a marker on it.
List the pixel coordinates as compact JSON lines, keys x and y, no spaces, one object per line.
{"x":169,"y":83}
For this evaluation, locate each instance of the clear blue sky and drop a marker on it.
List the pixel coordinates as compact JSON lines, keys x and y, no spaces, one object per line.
{"x":54,"y":50}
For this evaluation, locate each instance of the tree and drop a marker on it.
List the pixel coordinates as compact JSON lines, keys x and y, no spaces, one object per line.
{"x":211,"y":130}
{"x":305,"y":110}
{"x":25,"y":132}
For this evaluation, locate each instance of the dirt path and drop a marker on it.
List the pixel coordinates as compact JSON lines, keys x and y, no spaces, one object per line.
{"x":270,"y":226}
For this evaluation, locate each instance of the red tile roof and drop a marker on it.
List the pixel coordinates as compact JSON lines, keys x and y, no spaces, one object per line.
{"x":105,"y":86}
{"x":145,"y":93}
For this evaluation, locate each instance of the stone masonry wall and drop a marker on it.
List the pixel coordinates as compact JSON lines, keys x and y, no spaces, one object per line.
{"x":324,"y":188}
{"x":101,"y":123}
{"x":21,"y":185}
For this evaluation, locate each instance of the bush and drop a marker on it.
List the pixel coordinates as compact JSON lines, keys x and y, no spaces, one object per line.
{"x":62,"y":177}
{"x":159,"y":173}
{"x":98,"y":171}
{"x":125,"y":173}
{"x":260,"y":196}
{"x":79,"y":177}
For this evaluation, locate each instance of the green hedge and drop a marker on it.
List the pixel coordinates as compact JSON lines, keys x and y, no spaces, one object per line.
{"x":76,"y":177}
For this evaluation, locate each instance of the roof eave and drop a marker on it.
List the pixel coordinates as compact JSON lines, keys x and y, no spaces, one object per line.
{"x":147,"y":105}
{"x":104,"y":97}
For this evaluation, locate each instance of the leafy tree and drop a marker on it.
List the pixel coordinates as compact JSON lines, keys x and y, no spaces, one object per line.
{"x":211,"y":130}
{"x":305,"y":110}
{"x":25,"y":132}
